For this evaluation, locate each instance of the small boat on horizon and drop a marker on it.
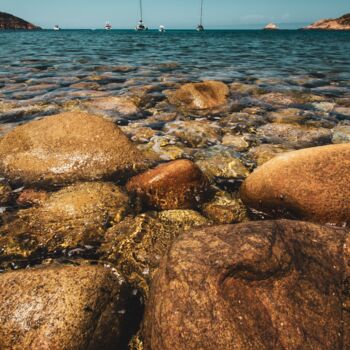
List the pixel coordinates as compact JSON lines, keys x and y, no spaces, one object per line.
{"x":200,"y":27}
{"x":161,"y":28}
{"x":108,"y":26}
{"x":56,"y":27}
{"x":140,"y":26}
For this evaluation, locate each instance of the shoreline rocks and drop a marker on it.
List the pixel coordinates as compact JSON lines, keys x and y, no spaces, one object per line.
{"x":310,"y":184}
{"x":75,"y":217}
{"x":61,"y":307}
{"x":259,"y":285}
{"x":66,"y":148}
{"x":176,"y":185}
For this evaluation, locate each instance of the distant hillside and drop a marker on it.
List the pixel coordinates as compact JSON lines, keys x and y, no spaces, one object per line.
{"x":341,"y":23}
{"x":8,"y":21}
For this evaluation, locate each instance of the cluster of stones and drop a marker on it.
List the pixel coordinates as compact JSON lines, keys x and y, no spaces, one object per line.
{"x":100,"y":224}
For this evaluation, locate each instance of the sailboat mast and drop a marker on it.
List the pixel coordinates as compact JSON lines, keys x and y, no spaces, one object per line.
{"x":141,"y":12}
{"x":201,"y":19}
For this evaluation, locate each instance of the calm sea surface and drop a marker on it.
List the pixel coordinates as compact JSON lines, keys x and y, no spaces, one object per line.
{"x":43,"y":65}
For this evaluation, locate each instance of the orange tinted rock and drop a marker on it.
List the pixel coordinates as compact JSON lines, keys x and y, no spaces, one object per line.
{"x":32,"y":197}
{"x":176,"y":185}
{"x":311,"y":184}
{"x":61,"y":307}
{"x":200,"y":96}
{"x":253,"y":286}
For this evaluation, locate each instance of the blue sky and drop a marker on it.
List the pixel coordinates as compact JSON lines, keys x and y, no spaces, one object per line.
{"x":219,"y":14}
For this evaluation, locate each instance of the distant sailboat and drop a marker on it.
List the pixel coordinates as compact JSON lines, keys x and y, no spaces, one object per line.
{"x":162,"y":29}
{"x":200,"y":27}
{"x":108,"y":26}
{"x":140,"y":26}
{"x":56,"y":27}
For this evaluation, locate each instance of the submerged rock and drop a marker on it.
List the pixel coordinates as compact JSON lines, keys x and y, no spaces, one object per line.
{"x":113,"y":106}
{"x":175,"y":185}
{"x":61,"y":307}
{"x":263,"y":153}
{"x":341,"y":134}
{"x":200,"y":96}
{"x":295,"y":136}
{"x":194,"y":133}
{"x":74,"y":217}
{"x":5,"y":193}
{"x":66,"y":148}
{"x":222,"y":165}
{"x":311,"y":184}
{"x":258,"y":285}
{"x":136,"y":245}
{"x":225,"y":208}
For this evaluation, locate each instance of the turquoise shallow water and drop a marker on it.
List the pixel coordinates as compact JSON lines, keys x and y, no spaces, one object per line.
{"x":281,"y":60}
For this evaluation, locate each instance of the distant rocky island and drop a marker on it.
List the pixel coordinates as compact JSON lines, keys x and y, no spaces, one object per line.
{"x":341,"y":23}
{"x":8,"y":21}
{"x":271,"y":26}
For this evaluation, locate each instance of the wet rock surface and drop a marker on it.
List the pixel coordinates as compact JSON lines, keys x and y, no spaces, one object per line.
{"x":176,"y":185}
{"x":263,"y":285}
{"x":5,"y":193}
{"x":61,"y":307}
{"x":136,"y":245}
{"x":311,"y":184}
{"x":66,"y":148}
{"x":73,"y":219}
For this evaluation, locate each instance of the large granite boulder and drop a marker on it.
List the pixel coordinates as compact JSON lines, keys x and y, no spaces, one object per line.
{"x":278,"y":285}
{"x":74,"y":217}
{"x":206,"y":95}
{"x":65,"y":148}
{"x":176,"y":185}
{"x":312,"y":184}
{"x":61,"y":307}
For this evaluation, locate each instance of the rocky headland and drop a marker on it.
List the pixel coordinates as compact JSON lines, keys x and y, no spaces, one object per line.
{"x":8,"y":21}
{"x":341,"y":23}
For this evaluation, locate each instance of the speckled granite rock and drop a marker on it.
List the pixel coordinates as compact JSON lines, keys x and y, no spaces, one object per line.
{"x":311,"y":184}
{"x":65,"y":148}
{"x":253,"y":286}
{"x":61,"y":307}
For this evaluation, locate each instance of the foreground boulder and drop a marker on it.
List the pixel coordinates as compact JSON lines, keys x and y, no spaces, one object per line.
{"x":311,"y":184}
{"x":65,"y":148}
{"x":175,"y":185}
{"x":61,"y":307}
{"x":200,"y":96}
{"x":254,"y":286}
{"x":74,"y":217}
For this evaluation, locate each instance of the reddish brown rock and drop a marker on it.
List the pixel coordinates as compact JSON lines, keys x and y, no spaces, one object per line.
{"x":30,"y":197}
{"x":341,"y":23}
{"x":176,"y":185}
{"x":312,"y":184}
{"x":256,"y":286}
{"x":71,"y":308}
{"x":200,"y":96}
